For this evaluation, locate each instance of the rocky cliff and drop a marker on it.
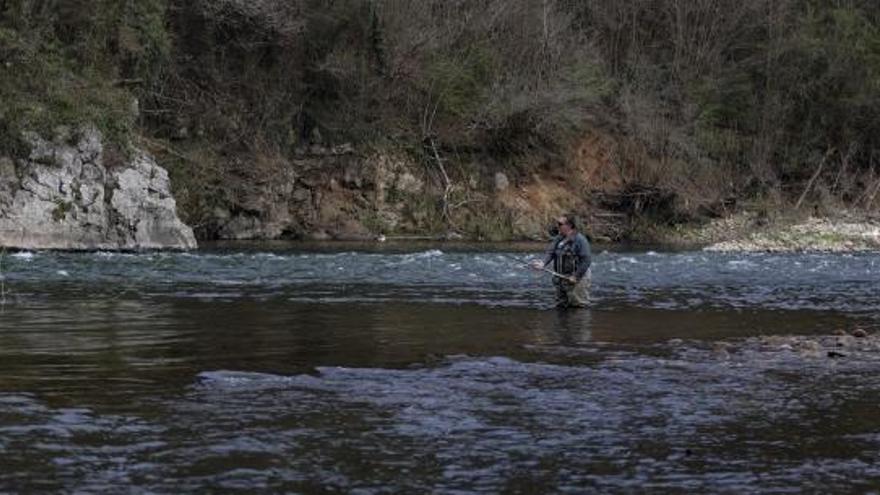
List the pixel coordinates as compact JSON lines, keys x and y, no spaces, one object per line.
{"x":65,"y":195}
{"x":323,"y":193}
{"x":346,"y":193}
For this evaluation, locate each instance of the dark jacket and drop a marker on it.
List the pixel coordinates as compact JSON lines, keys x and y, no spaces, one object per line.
{"x":569,"y":256}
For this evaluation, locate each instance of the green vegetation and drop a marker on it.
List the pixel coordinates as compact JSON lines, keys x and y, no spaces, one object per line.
{"x":62,"y":208}
{"x":716,"y":99}
{"x":69,"y":63}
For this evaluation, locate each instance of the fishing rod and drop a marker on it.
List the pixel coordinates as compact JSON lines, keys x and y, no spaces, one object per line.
{"x":542,"y":268}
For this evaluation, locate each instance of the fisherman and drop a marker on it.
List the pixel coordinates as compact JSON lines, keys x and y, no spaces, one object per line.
{"x":570,"y":254}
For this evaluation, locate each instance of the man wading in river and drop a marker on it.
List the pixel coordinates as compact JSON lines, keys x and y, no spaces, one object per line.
{"x":570,"y":254}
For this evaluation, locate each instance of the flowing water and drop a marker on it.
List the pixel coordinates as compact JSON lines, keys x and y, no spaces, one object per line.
{"x":426,"y":369}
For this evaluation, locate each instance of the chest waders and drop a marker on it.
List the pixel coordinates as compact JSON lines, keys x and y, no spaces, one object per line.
{"x":569,"y":294}
{"x":566,"y":260}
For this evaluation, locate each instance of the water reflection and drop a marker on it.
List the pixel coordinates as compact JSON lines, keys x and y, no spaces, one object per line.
{"x":562,"y":327}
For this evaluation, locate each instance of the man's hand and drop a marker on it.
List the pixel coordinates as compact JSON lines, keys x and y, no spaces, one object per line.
{"x":573,"y":279}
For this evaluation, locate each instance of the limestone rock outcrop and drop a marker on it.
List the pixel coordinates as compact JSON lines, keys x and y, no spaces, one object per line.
{"x":322,"y":194}
{"x":64,"y":196}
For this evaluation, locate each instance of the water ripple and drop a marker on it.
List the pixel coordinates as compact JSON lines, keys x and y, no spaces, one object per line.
{"x":822,"y":282}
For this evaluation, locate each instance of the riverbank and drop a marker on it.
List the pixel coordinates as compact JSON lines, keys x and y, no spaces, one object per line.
{"x":751,"y":231}
{"x":842,"y":233}
{"x":69,"y":196}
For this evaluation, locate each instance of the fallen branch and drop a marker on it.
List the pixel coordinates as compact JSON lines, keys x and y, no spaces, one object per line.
{"x":815,"y":176}
{"x":168,"y":149}
{"x":870,"y":199}
{"x":128,"y":82}
{"x":447,"y":183}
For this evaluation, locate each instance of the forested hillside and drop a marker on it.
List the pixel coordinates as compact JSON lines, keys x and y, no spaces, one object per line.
{"x":682,"y":108}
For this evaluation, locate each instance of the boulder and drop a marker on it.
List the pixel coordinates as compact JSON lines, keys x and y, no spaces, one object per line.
{"x":63,"y":196}
{"x":501,"y":181}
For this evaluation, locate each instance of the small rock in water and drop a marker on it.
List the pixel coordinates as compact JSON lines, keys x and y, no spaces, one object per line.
{"x":778,"y":342}
{"x":839,"y":331}
{"x":720,"y":351}
{"x":811,"y":349}
{"x":835,"y":354}
{"x":859,"y":333}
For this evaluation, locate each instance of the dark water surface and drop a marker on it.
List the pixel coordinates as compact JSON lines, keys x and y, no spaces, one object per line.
{"x":426,"y":369}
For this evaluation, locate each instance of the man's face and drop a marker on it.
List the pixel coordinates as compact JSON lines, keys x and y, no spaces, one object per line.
{"x":564,"y":228}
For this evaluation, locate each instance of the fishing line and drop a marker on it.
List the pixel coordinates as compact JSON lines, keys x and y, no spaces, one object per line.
{"x":542,"y":269}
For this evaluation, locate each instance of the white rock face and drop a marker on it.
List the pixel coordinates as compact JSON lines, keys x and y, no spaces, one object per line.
{"x":64,"y":197}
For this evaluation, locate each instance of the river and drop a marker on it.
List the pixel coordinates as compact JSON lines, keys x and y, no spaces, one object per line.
{"x":437,"y":368}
